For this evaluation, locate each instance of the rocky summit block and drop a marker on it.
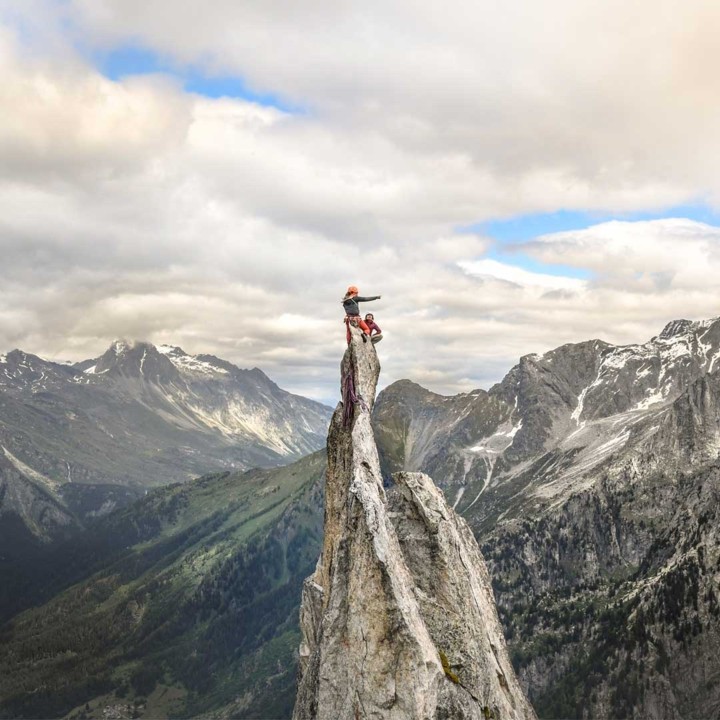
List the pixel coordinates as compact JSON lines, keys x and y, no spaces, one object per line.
{"x":398,"y":619}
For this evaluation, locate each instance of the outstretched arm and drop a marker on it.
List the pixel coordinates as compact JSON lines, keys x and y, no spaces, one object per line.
{"x":367,"y":299}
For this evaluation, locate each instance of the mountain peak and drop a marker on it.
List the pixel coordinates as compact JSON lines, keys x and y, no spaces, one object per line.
{"x":120,"y":347}
{"x":675,"y":328}
{"x":172,"y":350}
{"x":133,"y":359}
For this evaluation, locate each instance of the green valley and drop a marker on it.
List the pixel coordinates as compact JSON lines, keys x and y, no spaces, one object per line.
{"x":184,"y":603}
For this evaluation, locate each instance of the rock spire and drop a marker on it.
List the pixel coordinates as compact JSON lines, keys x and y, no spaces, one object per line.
{"x":398,"y":619}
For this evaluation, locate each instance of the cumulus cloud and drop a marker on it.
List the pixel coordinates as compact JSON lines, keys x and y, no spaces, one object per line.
{"x":76,"y":126}
{"x":600,"y":104}
{"x":518,"y":276}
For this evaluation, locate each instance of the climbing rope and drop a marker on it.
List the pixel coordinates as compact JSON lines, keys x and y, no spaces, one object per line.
{"x":350,"y":399}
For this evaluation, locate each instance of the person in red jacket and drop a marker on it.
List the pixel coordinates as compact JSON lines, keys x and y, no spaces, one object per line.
{"x":352,"y":311}
{"x":375,"y":331}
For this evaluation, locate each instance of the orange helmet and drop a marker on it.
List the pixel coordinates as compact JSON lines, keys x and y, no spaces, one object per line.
{"x":352,"y":290}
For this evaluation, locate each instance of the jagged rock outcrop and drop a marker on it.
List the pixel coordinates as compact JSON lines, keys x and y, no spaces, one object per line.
{"x":398,"y":619}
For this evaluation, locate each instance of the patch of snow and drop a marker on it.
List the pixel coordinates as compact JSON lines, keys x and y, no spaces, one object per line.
{"x":643,"y":371}
{"x":490,"y":465}
{"x":189,"y":362}
{"x":704,"y":347}
{"x":183,"y":361}
{"x":577,"y":412}
{"x":653,"y":398}
{"x":90,"y":370}
{"x":713,"y":360}
{"x":617,"y":359}
{"x":675,"y":348}
{"x":498,"y":442}
{"x":703,"y":324}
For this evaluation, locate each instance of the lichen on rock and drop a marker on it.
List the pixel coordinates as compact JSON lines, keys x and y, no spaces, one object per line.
{"x":398,"y":619}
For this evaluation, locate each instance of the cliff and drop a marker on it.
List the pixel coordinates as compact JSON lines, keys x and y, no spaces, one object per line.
{"x":398,"y":619}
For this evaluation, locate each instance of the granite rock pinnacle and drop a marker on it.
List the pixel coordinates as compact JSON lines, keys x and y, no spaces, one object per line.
{"x":398,"y":620}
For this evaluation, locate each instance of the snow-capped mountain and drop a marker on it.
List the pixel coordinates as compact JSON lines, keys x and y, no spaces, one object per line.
{"x":89,"y":436}
{"x":590,"y":475}
{"x":209,"y":394}
{"x":573,"y":407}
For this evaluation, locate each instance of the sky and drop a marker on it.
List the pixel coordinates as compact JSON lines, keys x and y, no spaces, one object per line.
{"x":509,"y":177}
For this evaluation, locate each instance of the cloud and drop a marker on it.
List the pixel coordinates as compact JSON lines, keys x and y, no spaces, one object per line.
{"x":592,"y":105}
{"x":675,"y":252}
{"x":519,"y":276}
{"x":72,"y":125}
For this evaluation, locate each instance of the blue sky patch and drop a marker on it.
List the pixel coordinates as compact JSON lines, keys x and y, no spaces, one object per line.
{"x":526,"y":227}
{"x":130,"y":60}
{"x":509,"y":232}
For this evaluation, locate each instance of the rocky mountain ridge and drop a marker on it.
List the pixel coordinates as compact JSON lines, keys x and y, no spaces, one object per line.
{"x":398,"y":619}
{"x":574,"y":407}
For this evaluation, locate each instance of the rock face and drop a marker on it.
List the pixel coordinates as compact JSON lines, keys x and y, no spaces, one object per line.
{"x":398,"y":619}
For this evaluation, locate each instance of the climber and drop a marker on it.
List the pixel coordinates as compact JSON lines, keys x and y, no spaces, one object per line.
{"x":352,"y":311}
{"x":374,"y":328}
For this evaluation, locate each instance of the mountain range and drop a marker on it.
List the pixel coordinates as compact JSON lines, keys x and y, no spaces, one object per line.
{"x":79,"y":440}
{"x":590,"y":476}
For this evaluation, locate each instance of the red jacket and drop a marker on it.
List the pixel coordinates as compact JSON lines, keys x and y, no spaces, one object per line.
{"x":374,"y":327}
